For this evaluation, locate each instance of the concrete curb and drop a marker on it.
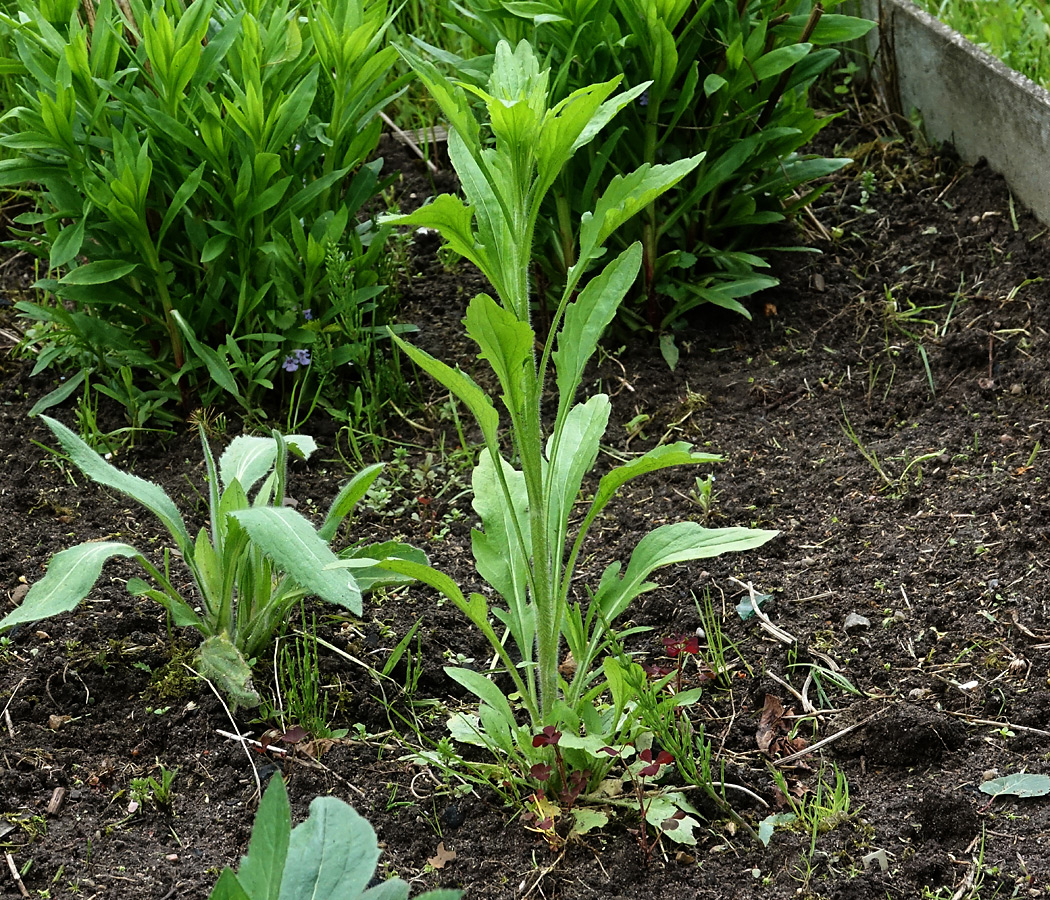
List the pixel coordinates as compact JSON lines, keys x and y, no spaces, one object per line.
{"x":964,"y":96}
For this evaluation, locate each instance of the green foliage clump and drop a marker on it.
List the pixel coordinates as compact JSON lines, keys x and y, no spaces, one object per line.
{"x":728,"y":80}
{"x":195,"y":163}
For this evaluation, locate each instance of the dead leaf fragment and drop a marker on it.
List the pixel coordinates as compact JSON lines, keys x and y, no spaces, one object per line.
{"x":772,"y":734}
{"x":443,"y":856}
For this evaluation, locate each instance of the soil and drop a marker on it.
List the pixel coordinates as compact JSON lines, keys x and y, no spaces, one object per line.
{"x":885,"y":409}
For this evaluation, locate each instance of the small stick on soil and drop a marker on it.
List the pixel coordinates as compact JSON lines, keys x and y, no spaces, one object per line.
{"x":839,"y":734}
{"x":408,"y":141}
{"x":14,"y":874}
{"x":783,"y":636}
{"x":975,"y":721}
{"x":229,"y":715}
{"x":806,"y":705}
{"x":7,"y":715}
{"x":545,"y":873}
{"x":244,"y":739}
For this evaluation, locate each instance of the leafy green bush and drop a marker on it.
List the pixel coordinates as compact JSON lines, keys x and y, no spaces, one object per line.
{"x":244,"y":597}
{"x":196,"y":161}
{"x":332,"y":855}
{"x":725,"y":78}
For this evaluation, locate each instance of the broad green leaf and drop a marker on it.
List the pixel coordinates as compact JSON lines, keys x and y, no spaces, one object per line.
{"x":586,"y":818}
{"x":776,"y":61}
{"x":675,"y":543}
{"x":224,"y":665}
{"x":463,"y":386}
{"x":217,"y":367}
{"x":291,"y":542}
{"x":332,"y":854}
{"x":1020,"y":784}
{"x":831,"y":29}
{"x":486,"y":691}
{"x":663,"y":457}
{"x":666,"y":814}
{"x":68,"y":243}
{"x":261,"y":870}
{"x":102,"y":272}
{"x":70,"y":575}
{"x":587,"y":318}
{"x":391,"y":889}
{"x":572,"y":451}
{"x":506,"y":343}
{"x":138,"y":489}
{"x":713,"y":83}
{"x":182,"y":196}
{"x":498,"y":553}
{"x":451,"y":218}
{"x":247,"y":459}
{"x":373,"y":576}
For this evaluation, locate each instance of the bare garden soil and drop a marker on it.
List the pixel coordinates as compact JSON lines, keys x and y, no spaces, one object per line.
{"x":919,"y":572}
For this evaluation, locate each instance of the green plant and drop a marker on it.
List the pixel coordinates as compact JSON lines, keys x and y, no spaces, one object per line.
{"x":729,"y":80}
{"x":1015,"y":31}
{"x":816,"y":812}
{"x":531,"y":538}
{"x":301,"y":699}
{"x":333,"y":854}
{"x":703,"y":495}
{"x":161,"y":793}
{"x":195,"y":162}
{"x":244,"y":596}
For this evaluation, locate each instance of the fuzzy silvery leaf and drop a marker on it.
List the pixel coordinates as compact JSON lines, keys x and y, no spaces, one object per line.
{"x":138,"y":489}
{"x":70,"y":575}
{"x":291,"y":542}
{"x":247,"y":459}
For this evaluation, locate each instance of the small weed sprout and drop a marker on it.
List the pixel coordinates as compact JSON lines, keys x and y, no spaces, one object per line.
{"x":703,"y":495}
{"x":161,"y":793}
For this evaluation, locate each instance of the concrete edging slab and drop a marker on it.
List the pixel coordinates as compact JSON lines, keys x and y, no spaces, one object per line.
{"x":965,"y":96}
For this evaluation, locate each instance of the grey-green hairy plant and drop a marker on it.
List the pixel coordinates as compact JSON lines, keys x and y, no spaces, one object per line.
{"x":531,"y":535}
{"x":244,"y":596}
{"x":332,"y":855}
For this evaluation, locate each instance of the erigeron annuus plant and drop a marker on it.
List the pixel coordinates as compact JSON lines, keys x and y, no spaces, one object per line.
{"x":527,"y":547}
{"x":252,"y":564}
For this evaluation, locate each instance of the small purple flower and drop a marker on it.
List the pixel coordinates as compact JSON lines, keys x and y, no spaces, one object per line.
{"x":308,"y":315}
{"x":643,"y":98}
{"x":297,"y":359}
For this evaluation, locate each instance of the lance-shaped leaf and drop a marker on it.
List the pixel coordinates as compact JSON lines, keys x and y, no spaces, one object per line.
{"x":506,"y":343}
{"x":627,"y":195}
{"x":463,"y":386}
{"x":452,"y":219}
{"x":587,"y":318}
{"x":291,"y":542}
{"x":675,"y":543}
{"x":572,"y":451}
{"x":138,"y":489}
{"x":70,"y":576}
{"x":262,"y":868}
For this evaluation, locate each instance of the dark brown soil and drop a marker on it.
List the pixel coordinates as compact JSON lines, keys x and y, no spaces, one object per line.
{"x":921,"y":326}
